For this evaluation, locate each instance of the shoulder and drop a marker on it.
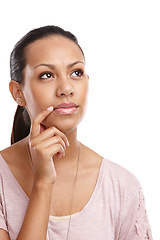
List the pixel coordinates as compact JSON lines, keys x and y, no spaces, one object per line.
{"x":13,"y":152}
{"x":121,"y":178}
{"x":128,"y":194}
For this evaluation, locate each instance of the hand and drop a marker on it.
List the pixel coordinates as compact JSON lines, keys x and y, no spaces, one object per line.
{"x":43,"y":146}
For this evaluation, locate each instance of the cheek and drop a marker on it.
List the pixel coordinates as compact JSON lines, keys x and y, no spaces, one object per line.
{"x":36,"y":99}
{"x":82,"y":91}
{"x":85,"y":90}
{"x":40,"y":95}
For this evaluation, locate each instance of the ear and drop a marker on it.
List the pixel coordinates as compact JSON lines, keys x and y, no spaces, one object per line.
{"x":17,"y":93}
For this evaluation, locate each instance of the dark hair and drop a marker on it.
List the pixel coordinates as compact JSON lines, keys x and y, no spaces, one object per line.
{"x":22,"y":122}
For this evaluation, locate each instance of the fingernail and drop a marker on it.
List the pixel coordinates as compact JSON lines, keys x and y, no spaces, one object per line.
{"x":68,"y":143}
{"x":50,"y":109}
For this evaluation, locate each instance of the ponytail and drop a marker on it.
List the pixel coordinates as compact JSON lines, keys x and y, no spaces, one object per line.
{"x":21,"y":125}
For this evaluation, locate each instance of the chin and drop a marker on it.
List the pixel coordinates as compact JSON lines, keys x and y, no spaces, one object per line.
{"x":64,"y":125}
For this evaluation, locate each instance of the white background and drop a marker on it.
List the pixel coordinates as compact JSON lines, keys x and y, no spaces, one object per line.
{"x":121,"y":41}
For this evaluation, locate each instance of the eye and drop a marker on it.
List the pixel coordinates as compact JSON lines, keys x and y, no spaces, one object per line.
{"x":77,"y":73}
{"x":46,"y":75}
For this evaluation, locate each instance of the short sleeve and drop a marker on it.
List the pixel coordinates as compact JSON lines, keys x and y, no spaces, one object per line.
{"x":2,"y":219}
{"x":135,"y":223}
{"x":142,"y":226}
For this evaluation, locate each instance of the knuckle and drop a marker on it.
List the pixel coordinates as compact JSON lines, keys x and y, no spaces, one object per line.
{"x":58,"y":138}
{"x":36,"y":147}
{"x":53,"y":128}
{"x":34,"y":122}
{"x":60,"y":147}
{"x":32,"y":143}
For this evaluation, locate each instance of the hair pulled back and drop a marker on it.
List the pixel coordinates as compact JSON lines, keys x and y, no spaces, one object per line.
{"x":22,"y":122}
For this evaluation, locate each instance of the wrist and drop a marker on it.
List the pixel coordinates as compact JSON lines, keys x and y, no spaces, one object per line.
{"x":43,"y":185}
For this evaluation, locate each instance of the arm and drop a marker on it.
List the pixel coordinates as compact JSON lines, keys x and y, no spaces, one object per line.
{"x":37,"y":215}
{"x":43,"y":146}
{"x":135,"y":221}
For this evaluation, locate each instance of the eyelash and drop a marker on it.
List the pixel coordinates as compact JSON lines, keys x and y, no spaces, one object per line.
{"x":49,"y":74}
{"x":79,"y":71}
{"x":46,"y":73}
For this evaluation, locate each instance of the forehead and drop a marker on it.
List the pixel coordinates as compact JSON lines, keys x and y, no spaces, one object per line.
{"x":53,"y":48}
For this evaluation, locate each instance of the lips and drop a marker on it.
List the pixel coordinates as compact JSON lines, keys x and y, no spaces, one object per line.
{"x":66,"y":108}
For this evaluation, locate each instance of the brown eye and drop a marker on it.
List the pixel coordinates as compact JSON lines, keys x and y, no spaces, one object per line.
{"x":46,"y":75}
{"x":77,"y":73}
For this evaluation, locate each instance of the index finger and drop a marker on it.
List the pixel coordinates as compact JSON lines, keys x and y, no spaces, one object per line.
{"x":35,"y":129}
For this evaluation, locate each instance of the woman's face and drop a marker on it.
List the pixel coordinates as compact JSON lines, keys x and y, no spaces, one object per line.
{"x":55,"y":74}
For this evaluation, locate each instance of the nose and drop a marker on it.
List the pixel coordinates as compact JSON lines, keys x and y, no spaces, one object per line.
{"x":64,"y":88}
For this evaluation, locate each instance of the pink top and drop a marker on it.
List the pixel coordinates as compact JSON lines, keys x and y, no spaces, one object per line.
{"x":115,"y":211}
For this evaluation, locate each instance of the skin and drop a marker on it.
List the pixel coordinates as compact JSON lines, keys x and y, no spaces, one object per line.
{"x":55,"y":73}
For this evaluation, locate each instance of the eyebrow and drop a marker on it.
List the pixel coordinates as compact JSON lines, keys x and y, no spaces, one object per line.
{"x":52,"y":66}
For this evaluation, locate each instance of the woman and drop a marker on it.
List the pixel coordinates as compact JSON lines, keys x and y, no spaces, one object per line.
{"x":52,"y":186}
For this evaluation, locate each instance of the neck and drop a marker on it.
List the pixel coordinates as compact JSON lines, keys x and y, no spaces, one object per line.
{"x":72,"y":137}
